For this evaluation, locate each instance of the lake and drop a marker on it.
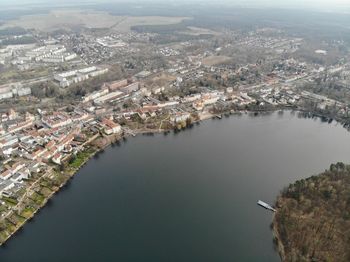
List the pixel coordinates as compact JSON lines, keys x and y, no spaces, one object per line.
{"x":189,"y":196}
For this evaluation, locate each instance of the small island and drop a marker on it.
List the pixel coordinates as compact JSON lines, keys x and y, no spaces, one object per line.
{"x":312,"y":222}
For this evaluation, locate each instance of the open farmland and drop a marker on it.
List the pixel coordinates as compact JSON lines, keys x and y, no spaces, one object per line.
{"x":73,"y":18}
{"x":125,"y":23}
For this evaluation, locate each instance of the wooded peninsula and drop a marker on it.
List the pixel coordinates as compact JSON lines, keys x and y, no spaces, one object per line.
{"x":312,"y":222}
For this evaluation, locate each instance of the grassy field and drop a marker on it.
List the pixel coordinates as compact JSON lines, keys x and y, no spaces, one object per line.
{"x":128,"y":22}
{"x":72,"y":18}
{"x":216,"y":60}
{"x":161,"y":80}
{"x":15,"y":75}
{"x":192,"y":30}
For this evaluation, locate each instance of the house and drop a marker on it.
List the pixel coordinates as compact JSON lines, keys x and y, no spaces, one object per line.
{"x":19,"y":176}
{"x":57,"y":119}
{"x":111,"y":127}
{"x":57,"y":158}
{"x":37,"y":153}
{"x":191,"y":98}
{"x":7,"y":151}
{"x":5,"y":186}
{"x":8,"y":140}
{"x":180,"y":117}
{"x":112,"y":86}
{"x":198,"y":105}
{"x":142,"y":113}
{"x":158,"y":90}
{"x":130,"y":88}
{"x":12,"y":115}
{"x":34,"y":167}
{"x":6,"y":175}
{"x":19,"y":126}
{"x":209,"y":99}
{"x":29,"y":117}
{"x":17,"y":167}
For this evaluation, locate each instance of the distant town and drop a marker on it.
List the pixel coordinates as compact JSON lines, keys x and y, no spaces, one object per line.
{"x":66,"y":95}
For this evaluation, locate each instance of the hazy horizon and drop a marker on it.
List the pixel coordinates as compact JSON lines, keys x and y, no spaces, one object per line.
{"x":319,"y":5}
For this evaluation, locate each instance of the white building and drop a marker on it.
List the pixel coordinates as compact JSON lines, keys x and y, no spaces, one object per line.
{"x":180,"y":117}
{"x":75,"y":76}
{"x":95,"y":95}
{"x":6,"y":95}
{"x":109,"y":97}
{"x":5,"y":186}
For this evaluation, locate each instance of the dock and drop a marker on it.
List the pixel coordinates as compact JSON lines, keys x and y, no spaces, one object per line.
{"x":266,"y":206}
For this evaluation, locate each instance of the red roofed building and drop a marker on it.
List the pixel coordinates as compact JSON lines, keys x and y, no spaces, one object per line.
{"x":57,"y":158}
{"x":6,"y":175}
{"x":111,"y":127}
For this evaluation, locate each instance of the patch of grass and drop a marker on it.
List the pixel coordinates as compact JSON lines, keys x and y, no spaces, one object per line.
{"x":37,"y":198}
{"x":27,"y":212}
{"x":80,"y":158}
{"x":3,"y":236}
{"x":45,"y":191}
{"x":10,"y":201}
{"x":2,"y":208}
{"x":16,"y":75}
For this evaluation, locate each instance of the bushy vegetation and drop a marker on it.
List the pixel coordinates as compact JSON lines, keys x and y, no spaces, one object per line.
{"x":313,"y":217}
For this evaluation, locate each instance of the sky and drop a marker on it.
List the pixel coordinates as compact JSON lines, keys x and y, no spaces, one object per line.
{"x":325,"y":5}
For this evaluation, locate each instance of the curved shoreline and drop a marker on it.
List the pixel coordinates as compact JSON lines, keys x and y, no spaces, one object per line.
{"x":96,"y":151}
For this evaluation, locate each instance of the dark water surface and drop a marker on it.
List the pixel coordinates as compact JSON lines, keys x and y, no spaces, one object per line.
{"x":185,"y":197}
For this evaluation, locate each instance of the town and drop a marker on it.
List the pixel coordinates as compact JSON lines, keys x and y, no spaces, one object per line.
{"x":65,"y":95}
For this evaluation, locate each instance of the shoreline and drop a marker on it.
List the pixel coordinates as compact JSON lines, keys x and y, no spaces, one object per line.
{"x":51,"y":195}
{"x":278,"y":245}
{"x":97,"y":150}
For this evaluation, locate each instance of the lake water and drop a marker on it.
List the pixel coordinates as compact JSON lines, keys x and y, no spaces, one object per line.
{"x":182,"y":197}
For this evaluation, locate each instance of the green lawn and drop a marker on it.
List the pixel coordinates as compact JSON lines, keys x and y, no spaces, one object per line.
{"x":80,"y":158}
{"x":37,"y":198}
{"x":27,"y":212}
